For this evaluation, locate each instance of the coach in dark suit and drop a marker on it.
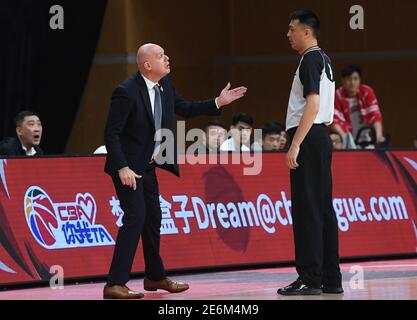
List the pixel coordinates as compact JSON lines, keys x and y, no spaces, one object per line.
{"x":141,"y":106}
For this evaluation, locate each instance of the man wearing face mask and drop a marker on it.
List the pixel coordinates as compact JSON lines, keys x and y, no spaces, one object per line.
{"x":29,"y":134}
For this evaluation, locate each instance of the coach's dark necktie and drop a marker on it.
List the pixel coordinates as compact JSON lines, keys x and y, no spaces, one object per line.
{"x":157,"y":116}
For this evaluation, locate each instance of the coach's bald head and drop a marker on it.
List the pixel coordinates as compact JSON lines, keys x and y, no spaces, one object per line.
{"x":152,"y":61}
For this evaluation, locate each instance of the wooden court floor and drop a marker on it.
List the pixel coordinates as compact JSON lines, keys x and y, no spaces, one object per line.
{"x":377,"y":280}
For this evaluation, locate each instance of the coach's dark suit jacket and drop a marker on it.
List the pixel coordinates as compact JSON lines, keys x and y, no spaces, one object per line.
{"x":130,"y":129}
{"x":12,"y":147}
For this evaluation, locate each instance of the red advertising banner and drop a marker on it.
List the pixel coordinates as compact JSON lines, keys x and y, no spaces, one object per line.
{"x":64,"y":212}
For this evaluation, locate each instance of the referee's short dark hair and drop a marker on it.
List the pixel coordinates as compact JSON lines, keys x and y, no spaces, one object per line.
{"x":308,"y":18}
{"x":22,"y":115}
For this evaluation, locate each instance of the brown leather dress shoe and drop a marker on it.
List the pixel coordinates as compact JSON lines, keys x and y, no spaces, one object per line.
{"x":165,"y":284}
{"x":120,"y":292}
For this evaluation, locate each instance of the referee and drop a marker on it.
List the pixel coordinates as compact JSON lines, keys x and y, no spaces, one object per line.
{"x":310,"y":111}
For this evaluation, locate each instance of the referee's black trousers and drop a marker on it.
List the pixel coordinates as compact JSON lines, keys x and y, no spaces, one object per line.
{"x":314,"y":220}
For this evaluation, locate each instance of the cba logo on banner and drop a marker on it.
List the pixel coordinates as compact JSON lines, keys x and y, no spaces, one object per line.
{"x":64,"y":225}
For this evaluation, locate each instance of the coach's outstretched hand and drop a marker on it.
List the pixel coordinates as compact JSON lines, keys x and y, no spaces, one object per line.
{"x":229,"y":95}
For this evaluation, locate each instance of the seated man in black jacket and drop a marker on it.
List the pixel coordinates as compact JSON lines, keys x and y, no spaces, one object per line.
{"x":29,"y":134}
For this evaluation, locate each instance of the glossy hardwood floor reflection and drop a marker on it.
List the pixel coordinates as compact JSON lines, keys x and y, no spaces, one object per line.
{"x":378,"y":280}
